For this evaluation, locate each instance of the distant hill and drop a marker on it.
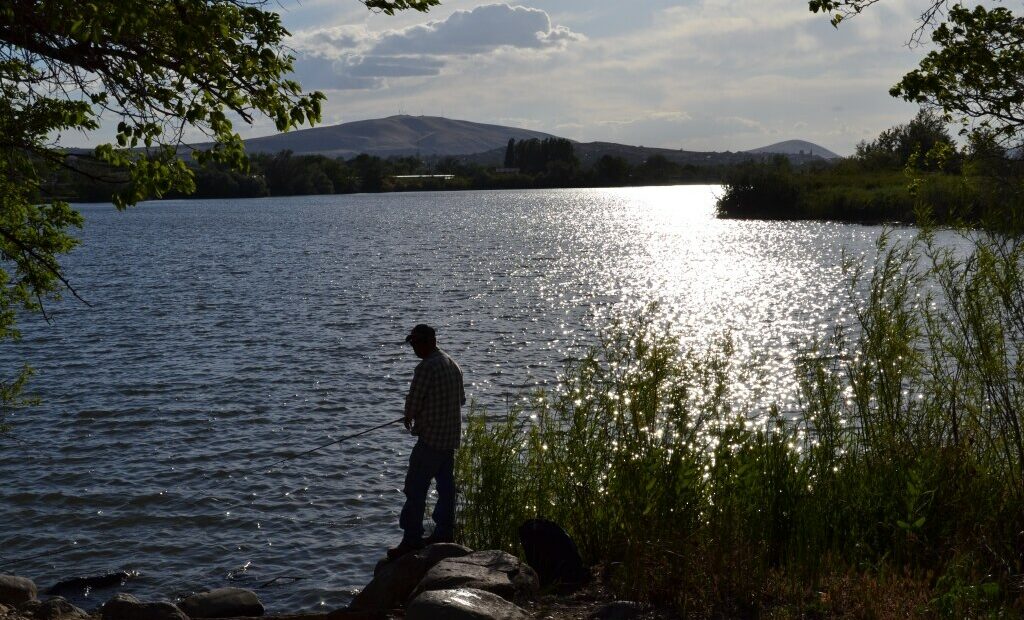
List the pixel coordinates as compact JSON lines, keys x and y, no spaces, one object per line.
{"x":482,"y":143}
{"x":796,"y":147}
{"x":395,"y":135}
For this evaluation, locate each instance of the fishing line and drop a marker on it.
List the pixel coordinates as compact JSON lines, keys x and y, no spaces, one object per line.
{"x":331,"y":443}
{"x":275,"y":464}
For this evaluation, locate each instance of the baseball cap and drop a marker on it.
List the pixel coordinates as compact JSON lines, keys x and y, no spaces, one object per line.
{"x":420,"y":333}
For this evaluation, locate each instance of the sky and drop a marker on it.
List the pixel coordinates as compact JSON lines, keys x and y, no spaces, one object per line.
{"x":697,"y":75}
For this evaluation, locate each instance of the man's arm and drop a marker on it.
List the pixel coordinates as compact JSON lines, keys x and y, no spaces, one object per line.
{"x":462,"y":388}
{"x":417,"y":394}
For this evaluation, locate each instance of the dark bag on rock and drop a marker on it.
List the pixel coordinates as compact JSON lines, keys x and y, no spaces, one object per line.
{"x":551,"y":553}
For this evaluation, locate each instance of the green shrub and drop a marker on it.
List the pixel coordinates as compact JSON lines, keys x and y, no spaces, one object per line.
{"x":905,"y":456}
{"x":762,"y":191}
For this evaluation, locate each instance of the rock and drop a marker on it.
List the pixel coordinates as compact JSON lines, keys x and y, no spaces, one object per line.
{"x":79,"y":585}
{"x":52,"y":609}
{"x":553,"y":554}
{"x":16,"y":590}
{"x":462,"y":604}
{"x":127,"y":607}
{"x":222,"y":603}
{"x":394,"y":581}
{"x":618,"y":610}
{"x":495,"y":571}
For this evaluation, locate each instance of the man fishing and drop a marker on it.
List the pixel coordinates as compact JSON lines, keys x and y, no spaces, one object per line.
{"x":433,"y":412}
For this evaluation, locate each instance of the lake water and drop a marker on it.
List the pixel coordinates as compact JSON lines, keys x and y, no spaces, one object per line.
{"x":224,"y":335}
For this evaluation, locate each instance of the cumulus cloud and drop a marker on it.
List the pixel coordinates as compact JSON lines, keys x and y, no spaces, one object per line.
{"x":479,"y":31}
{"x":351,"y":57}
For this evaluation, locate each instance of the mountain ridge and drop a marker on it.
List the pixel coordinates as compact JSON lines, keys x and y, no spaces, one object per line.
{"x":795,"y":147}
{"x":394,"y":136}
{"x":404,"y":135}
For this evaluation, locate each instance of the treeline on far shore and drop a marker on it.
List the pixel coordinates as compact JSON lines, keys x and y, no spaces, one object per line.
{"x":530,"y":164}
{"x":911,"y":173}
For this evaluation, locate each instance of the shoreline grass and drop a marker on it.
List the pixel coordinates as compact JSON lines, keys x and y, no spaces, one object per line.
{"x":894,"y":490}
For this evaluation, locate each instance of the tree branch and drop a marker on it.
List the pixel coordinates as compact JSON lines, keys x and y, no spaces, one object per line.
{"x":42,"y":260}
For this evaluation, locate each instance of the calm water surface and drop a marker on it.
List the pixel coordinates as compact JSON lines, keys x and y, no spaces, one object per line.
{"x":224,"y":335}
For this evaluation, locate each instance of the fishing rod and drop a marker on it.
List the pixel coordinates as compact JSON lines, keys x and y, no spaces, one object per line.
{"x":331,"y":443}
{"x":275,"y":464}
{"x":10,"y":561}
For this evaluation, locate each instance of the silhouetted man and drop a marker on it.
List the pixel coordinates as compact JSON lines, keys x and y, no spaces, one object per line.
{"x":433,"y":412}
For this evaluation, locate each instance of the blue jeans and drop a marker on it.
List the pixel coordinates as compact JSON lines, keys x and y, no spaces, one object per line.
{"x":426,"y":464}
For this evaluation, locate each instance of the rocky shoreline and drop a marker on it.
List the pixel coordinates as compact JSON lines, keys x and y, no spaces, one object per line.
{"x":440,"y":581}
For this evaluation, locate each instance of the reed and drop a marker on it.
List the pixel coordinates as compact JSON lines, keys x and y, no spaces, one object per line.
{"x":895,"y":488}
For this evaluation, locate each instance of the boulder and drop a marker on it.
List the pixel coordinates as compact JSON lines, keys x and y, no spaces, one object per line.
{"x":394,"y":581}
{"x":553,"y":554}
{"x":494,"y":571}
{"x":16,"y":590}
{"x":222,"y":603}
{"x":80,"y":585}
{"x":52,"y":609}
{"x":462,"y":604}
{"x":127,"y":607}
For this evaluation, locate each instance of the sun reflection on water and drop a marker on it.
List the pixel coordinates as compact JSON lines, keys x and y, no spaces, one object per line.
{"x":772,"y":288}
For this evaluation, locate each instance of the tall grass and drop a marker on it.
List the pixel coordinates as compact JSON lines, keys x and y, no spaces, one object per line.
{"x":895,"y":489}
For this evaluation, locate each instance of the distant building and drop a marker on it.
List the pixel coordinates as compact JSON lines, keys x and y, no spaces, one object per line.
{"x":410,"y":177}
{"x":506,"y":171}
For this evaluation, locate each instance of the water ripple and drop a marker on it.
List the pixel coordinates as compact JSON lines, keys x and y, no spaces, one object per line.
{"x":226,"y":335}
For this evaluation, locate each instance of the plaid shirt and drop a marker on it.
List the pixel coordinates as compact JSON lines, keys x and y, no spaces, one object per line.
{"x":435,"y":400}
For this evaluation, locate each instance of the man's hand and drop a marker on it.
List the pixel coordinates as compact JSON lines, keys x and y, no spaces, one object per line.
{"x":408,"y":422}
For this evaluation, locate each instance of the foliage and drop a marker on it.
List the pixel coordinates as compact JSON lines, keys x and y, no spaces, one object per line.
{"x":840,"y":10}
{"x":612,"y":170}
{"x":553,"y":156}
{"x":11,"y":397}
{"x":388,"y":7}
{"x":975,"y":72}
{"x":912,"y":173}
{"x":911,"y":144}
{"x":903,"y":458}
{"x":761,"y":190}
{"x":851,"y":192}
{"x":288,"y":174}
{"x":510,"y":153}
{"x":157,"y":70}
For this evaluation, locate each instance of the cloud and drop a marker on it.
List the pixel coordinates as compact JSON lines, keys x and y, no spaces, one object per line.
{"x":696,"y":74}
{"x":348,"y":57}
{"x":479,"y":31}
{"x":383,"y":66}
{"x":325,"y":41}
